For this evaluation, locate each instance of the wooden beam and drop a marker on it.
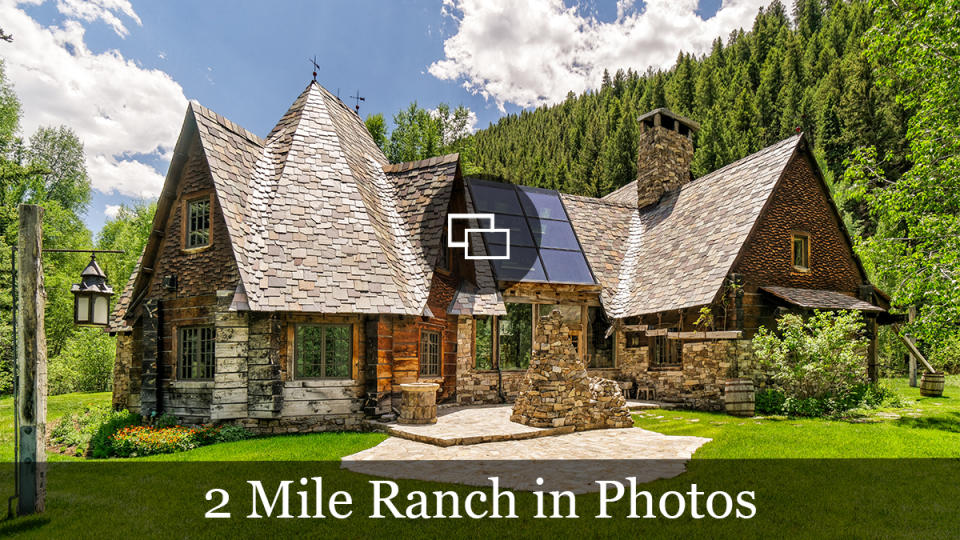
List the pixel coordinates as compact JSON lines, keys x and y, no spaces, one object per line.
{"x":31,"y":364}
{"x":635,"y":327}
{"x":912,"y":362}
{"x":913,"y":348}
{"x":727,"y":334}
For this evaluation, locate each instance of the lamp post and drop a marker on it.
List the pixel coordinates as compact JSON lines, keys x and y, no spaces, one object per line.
{"x":91,"y":308}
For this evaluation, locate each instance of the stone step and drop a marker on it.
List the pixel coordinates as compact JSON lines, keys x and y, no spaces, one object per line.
{"x":444,"y":441}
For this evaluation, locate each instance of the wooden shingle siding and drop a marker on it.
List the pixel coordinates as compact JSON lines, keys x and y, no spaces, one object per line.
{"x":798,"y":204}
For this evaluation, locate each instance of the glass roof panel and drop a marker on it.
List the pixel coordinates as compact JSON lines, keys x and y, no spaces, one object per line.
{"x":566,"y":266}
{"x":494,"y":197}
{"x":543,"y":245}
{"x":541,"y":203}
{"x":523,"y":265}
{"x":548,"y":233}
{"x":519,"y":231}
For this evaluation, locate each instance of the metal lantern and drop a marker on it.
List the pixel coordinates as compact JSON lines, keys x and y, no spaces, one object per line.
{"x":91,"y":305}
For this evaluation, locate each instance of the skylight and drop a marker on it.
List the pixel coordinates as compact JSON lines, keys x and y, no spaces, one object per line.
{"x":543,"y":245}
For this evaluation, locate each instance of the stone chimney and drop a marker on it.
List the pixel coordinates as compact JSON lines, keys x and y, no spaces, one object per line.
{"x":664,"y":154}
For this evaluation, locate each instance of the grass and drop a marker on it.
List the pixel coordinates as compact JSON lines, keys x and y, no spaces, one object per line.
{"x":57,"y":406}
{"x":163,"y":496}
{"x":921,"y":428}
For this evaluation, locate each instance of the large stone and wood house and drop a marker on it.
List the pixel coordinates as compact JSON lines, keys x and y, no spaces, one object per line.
{"x":293,"y":282}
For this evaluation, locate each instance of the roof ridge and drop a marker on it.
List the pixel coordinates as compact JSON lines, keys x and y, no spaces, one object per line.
{"x":230,"y":125}
{"x":426,"y":162}
{"x":598,"y":200}
{"x":756,"y":155}
{"x":632,"y":184}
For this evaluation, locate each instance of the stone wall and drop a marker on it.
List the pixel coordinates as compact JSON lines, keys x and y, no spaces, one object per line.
{"x":557,"y":390}
{"x":122,"y":367}
{"x":698,"y":382}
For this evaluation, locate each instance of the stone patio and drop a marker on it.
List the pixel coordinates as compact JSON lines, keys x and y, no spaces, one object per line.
{"x":451,"y":451}
{"x":572,"y":461}
{"x":477,"y":424}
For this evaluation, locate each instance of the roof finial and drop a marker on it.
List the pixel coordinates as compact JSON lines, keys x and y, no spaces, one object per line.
{"x":358,"y":99}
{"x":316,"y":67}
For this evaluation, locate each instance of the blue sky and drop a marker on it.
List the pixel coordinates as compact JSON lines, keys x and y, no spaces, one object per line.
{"x":132,"y":65}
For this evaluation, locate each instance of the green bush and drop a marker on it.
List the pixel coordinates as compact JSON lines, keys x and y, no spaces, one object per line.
{"x":867,"y":396}
{"x":165,"y":420}
{"x":84,"y":365}
{"x":232,"y":434}
{"x":89,"y":430}
{"x":100,"y":443}
{"x":946,"y":357}
{"x":821,"y":357}
{"x":769,"y":401}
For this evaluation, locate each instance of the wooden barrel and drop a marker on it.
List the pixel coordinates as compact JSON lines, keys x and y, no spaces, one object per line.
{"x":738,"y":397}
{"x":418,"y":403}
{"x":931,"y":384}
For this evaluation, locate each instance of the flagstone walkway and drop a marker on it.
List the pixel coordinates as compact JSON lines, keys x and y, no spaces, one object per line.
{"x":570,"y":461}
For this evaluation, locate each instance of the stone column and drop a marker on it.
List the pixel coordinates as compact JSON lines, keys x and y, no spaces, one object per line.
{"x":149,"y":374}
{"x":121,"y":371}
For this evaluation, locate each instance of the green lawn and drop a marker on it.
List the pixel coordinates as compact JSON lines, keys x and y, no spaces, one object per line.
{"x":163,"y":496}
{"x":922,"y":428}
{"x":57,"y":406}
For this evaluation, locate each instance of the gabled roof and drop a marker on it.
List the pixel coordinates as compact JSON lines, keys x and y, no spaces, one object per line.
{"x":317,"y":219}
{"x":676,"y":253}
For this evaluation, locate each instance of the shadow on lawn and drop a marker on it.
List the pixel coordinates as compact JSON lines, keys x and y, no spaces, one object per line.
{"x":944,"y":422}
{"x":9,"y":526}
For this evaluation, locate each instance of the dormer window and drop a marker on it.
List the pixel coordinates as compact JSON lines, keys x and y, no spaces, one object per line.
{"x":801,"y":252}
{"x":198,"y":223}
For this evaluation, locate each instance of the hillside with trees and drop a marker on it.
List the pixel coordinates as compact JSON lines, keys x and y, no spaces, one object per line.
{"x":751,"y":90}
{"x":872,"y":84}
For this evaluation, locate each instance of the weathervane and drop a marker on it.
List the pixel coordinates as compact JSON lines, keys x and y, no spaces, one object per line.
{"x":316,"y":67}
{"x":358,"y":99}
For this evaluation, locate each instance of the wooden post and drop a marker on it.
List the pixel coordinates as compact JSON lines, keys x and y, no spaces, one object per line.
{"x":31,"y":364}
{"x":873,"y":360}
{"x":912,"y":314}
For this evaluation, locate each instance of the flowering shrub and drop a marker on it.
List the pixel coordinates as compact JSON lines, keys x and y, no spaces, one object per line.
{"x":148,"y":440}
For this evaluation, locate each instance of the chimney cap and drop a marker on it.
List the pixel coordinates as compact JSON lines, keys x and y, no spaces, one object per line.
{"x":663,"y":111}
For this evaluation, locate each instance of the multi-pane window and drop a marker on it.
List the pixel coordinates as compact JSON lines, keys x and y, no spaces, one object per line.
{"x":483,"y":342}
{"x":515,"y":336}
{"x":801,"y":252}
{"x":323,"y":351}
{"x":664,"y":352}
{"x":195,"y":358}
{"x":599,"y":346}
{"x":634,"y":340}
{"x":198,"y":223}
{"x":429,"y":353}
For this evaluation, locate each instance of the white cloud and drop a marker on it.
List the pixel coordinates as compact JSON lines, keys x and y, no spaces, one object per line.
{"x":119,"y":110}
{"x":112,"y":210}
{"x":93,"y":10}
{"x":532,"y":52}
